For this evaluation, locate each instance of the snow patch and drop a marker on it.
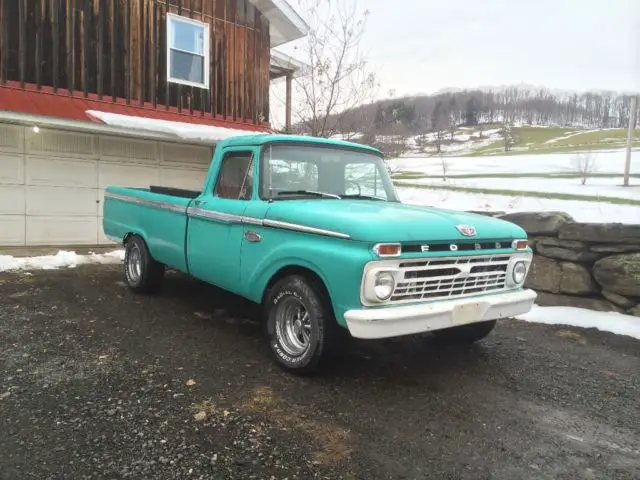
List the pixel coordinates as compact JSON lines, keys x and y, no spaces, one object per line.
{"x":63,"y":259}
{"x":612,"y":322}
{"x":187,"y":131}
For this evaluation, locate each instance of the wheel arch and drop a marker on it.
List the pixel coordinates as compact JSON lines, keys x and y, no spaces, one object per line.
{"x":305,"y":271}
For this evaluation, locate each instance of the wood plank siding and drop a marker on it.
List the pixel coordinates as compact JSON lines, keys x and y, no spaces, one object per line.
{"x":116,"y":49}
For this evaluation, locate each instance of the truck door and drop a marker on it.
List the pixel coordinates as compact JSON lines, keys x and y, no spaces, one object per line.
{"x":215,"y":231}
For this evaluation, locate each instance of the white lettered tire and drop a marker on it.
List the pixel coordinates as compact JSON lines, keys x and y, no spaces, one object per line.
{"x":297,"y":324}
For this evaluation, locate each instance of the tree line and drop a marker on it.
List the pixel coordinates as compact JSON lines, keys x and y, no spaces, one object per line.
{"x":514,"y":105}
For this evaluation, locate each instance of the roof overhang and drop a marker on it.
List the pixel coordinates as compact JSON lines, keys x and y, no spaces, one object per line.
{"x":283,"y":65}
{"x":285,"y":25}
{"x":131,"y":127}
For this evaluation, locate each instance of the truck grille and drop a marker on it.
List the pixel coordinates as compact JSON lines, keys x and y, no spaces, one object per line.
{"x":450,"y":277}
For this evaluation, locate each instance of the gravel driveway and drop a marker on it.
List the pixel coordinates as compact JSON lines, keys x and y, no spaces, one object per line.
{"x":96,"y":382}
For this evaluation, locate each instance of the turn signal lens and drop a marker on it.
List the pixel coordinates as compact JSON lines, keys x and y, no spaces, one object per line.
{"x":387,"y":249}
{"x":520,"y":244}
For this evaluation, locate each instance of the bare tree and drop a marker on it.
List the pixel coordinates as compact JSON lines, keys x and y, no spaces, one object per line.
{"x":337,"y":79}
{"x":584,"y":164}
{"x":445,"y":167}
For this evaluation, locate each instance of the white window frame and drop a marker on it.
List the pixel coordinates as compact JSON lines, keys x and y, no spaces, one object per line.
{"x":171,"y":18}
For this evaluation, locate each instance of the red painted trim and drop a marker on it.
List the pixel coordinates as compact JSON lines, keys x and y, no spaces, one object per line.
{"x":45,"y":102}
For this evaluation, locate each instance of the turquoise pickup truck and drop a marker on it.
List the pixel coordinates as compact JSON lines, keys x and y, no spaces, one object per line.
{"x":312,"y":230}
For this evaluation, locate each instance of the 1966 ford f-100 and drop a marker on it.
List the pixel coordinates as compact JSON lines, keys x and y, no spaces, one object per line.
{"x":312,"y":229}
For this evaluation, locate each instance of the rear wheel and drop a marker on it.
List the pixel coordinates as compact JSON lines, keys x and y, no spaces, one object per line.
{"x":298,"y":322}
{"x":142,"y":272}
{"x":465,"y":334}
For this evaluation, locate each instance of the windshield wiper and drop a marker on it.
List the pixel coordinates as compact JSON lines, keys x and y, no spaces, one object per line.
{"x":309,"y":192}
{"x":365,"y":197}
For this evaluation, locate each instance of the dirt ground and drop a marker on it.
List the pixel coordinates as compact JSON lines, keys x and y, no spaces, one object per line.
{"x":96,"y":382}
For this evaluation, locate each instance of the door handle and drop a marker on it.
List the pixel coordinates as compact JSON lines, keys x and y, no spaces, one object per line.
{"x":199,"y":203}
{"x":252,"y":237}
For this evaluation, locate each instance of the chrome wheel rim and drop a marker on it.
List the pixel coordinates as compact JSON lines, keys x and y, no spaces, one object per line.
{"x":293,"y":327}
{"x":134,"y":264}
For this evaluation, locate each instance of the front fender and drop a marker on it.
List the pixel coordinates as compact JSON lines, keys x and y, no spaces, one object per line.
{"x":338,"y":263}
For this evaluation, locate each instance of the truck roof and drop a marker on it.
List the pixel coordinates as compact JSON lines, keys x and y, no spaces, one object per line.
{"x":262,"y":139}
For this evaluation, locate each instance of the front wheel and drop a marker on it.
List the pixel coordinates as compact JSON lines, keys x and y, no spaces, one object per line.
{"x":465,"y":334}
{"x":297,"y":324}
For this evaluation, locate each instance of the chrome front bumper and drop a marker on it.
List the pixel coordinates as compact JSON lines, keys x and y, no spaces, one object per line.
{"x":411,"y":319}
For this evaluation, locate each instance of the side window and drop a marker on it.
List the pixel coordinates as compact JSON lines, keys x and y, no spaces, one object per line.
{"x":235,"y":178}
{"x":363,"y":179}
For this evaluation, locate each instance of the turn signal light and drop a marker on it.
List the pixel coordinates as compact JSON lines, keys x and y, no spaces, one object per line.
{"x":520,"y":244}
{"x":387,"y":249}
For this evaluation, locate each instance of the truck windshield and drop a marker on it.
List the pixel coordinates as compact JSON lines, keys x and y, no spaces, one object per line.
{"x":308,"y":171}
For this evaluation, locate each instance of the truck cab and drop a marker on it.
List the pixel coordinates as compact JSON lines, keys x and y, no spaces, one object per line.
{"x":312,"y":230}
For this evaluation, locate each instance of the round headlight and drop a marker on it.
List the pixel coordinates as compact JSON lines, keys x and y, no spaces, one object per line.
{"x":384,"y":285}
{"x":519,"y":272}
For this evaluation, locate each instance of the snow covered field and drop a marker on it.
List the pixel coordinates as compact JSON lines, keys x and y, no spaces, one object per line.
{"x":611,"y":162}
{"x":545,"y":166}
{"x":599,"y":186}
{"x":581,"y":211}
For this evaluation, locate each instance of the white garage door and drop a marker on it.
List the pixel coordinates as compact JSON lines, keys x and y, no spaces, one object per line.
{"x":52,"y":182}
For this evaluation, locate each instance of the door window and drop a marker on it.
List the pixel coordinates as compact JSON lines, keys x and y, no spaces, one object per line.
{"x":235,"y":180}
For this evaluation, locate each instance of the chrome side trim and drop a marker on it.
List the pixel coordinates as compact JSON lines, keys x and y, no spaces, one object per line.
{"x":204,"y":214}
{"x":147,"y":203}
{"x":304,"y":229}
{"x":252,"y":221}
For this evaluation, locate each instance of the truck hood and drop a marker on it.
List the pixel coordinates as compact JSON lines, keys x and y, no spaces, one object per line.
{"x":374,"y":221}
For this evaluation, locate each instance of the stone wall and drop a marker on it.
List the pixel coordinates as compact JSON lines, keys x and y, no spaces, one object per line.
{"x":588,"y":265}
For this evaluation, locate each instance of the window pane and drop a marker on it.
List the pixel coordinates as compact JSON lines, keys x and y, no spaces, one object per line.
{"x":187,"y":36}
{"x":235,"y":179}
{"x":363,"y":179}
{"x":185,"y":66}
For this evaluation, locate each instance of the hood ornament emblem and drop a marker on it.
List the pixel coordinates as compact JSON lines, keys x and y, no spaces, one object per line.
{"x":467,"y":230}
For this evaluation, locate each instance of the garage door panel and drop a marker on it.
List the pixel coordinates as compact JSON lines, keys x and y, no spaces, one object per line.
{"x":12,"y":200}
{"x":178,"y":155}
{"x":183,"y":178}
{"x":61,"y":144}
{"x":12,"y":230}
{"x":58,"y":173}
{"x":127,"y":175}
{"x":128,"y":150}
{"x":61,"y":230}
{"x":11,"y":138}
{"x":11,"y":169}
{"x":61,"y":201}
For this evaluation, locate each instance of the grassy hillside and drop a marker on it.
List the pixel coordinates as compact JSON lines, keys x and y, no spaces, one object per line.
{"x":530,"y":140}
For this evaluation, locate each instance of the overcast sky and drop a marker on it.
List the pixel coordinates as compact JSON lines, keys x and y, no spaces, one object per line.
{"x":422,"y":46}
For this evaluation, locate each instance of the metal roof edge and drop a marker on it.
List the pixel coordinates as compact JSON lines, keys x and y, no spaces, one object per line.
{"x":28,"y":119}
